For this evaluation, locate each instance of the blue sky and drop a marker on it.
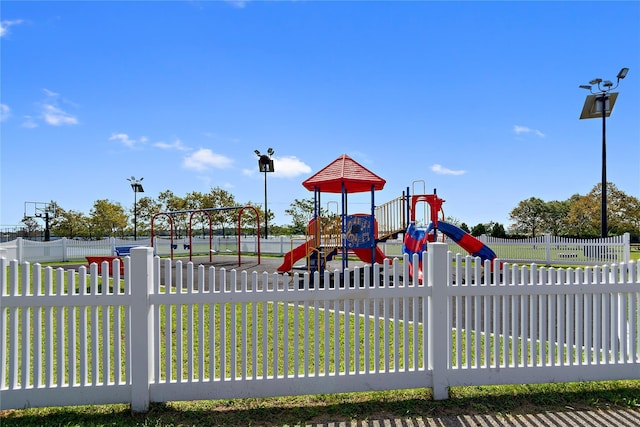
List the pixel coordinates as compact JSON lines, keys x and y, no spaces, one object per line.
{"x":477,"y":99}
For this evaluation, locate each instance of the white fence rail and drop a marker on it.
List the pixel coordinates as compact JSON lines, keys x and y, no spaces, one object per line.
{"x":170,"y":331}
{"x":547,"y":249}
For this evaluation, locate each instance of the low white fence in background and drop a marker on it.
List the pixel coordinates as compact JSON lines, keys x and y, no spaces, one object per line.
{"x":550,"y":250}
{"x":171,"y":331}
{"x":547,"y":249}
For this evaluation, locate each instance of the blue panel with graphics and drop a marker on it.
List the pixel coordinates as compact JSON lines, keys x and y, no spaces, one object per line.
{"x":360,"y":232}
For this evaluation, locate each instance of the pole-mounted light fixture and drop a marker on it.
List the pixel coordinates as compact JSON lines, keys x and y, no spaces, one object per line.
{"x":623,"y":73}
{"x":265,"y":164}
{"x":136,"y":186}
{"x":600,"y":104}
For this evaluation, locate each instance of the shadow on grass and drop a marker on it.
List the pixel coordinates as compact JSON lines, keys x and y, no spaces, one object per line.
{"x":323,"y":410}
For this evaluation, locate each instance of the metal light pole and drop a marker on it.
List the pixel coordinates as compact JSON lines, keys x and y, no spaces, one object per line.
{"x":137,"y":188}
{"x":265,"y":164}
{"x":600,"y":104}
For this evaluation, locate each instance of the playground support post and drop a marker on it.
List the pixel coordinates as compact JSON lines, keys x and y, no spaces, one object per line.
{"x":240,"y":232}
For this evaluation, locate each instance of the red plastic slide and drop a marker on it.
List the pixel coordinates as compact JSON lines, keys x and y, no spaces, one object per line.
{"x":365,"y":255}
{"x":296,"y":254}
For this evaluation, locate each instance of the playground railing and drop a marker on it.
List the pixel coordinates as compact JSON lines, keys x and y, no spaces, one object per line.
{"x":391,"y":217}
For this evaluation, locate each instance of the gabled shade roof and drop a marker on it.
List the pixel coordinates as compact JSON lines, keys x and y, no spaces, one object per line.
{"x":344,"y":170}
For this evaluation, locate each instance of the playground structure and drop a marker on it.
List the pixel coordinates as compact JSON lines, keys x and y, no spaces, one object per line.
{"x":207,"y":212}
{"x":326,"y":238}
{"x":360,"y":233}
{"x":417,"y":237}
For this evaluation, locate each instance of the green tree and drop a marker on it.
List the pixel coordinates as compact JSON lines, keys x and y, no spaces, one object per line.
{"x":249,"y":218}
{"x":220,"y":198}
{"x":529,"y":216}
{"x":71,"y":224}
{"x":280,"y":230}
{"x":583,"y":218}
{"x":623,"y":212}
{"x":172,"y":203}
{"x":31,"y":224}
{"x":497,"y":230}
{"x":147,"y":208}
{"x":479,"y":230}
{"x":108,"y":219}
{"x":555,"y":219}
{"x":198,"y":221}
{"x":584,"y":213}
{"x":301,"y":212}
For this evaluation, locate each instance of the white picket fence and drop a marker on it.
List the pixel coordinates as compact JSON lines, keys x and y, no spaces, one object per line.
{"x":62,"y":250}
{"x":547,"y":249}
{"x":550,"y":250}
{"x":171,"y":331}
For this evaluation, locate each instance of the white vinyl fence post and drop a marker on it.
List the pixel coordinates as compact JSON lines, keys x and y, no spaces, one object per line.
{"x":626,"y":237}
{"x":65,"y":245}
{"x":19,"y":249}
{"x":141,"y":339}
{"x":439,"y":345}
{"x":547,"y":243}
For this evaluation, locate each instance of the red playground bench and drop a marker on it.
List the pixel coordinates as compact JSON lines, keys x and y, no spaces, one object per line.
{"x":99,"y":259}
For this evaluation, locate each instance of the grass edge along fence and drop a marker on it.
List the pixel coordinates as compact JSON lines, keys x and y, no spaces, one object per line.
{"x":67,"y":338}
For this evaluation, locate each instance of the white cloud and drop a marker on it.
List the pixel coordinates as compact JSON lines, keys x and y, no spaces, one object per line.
{"x":285,"y":167}
{"x":289,"y":167}
{"x":50,"y":92}
{"x":240,"y":4}
{"x":5,"y":112}
{"x":57,"y":117}
{"x":4,"y":26}
{"x":29,"y":123}
{"x":517,"y":129}
{"x":53,"y":114}
{"x":441,"y":170}
{"x":126,"y":140}
{"x":204,"y":158}
{"x":175,"y":145}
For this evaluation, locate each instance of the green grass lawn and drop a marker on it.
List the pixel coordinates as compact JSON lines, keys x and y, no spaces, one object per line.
{"x":510,"y":399}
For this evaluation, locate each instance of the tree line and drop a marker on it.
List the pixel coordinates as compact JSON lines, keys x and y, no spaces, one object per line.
{"x":578,"y":216}
{"x":109,"y":218}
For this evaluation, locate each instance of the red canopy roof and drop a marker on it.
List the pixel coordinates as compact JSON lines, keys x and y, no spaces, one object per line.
{"x":344,"y":170}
